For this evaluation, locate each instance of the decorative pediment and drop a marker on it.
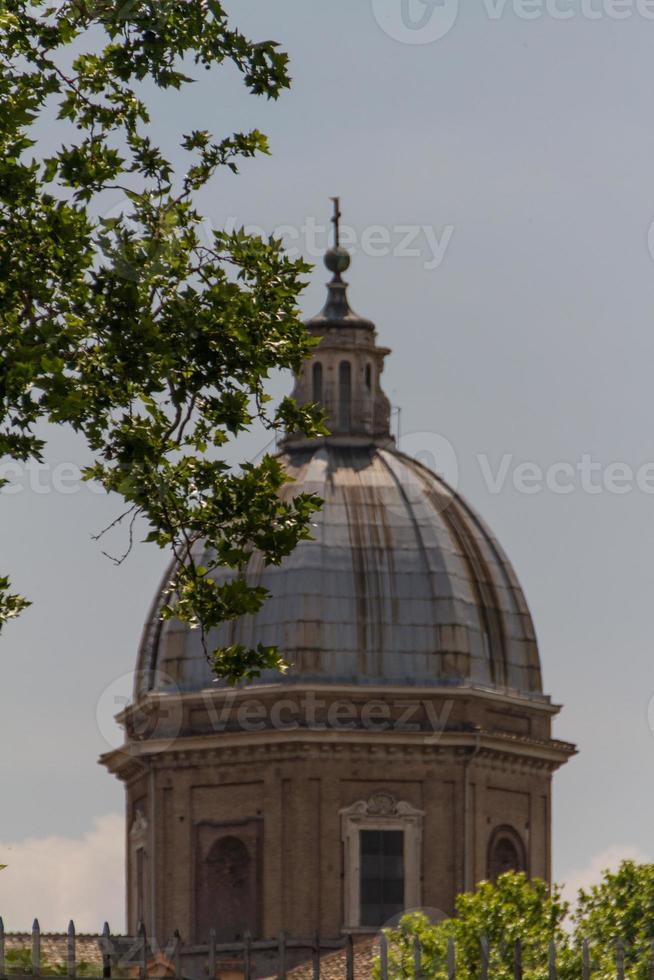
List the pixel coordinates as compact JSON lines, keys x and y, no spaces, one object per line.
{"x":381,"y":811}
{"x":381,"y":805}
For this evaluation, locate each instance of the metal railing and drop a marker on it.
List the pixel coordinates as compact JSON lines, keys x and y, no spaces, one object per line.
{"x":140,"y":957}
{"x":129,"y":956}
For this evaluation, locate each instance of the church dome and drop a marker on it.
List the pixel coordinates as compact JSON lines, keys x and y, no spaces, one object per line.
{"x":401,"y":584}
{"x":406,"y":753}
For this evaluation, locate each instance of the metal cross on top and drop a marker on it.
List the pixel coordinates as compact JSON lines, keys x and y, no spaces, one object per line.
{"x":336,"y":221}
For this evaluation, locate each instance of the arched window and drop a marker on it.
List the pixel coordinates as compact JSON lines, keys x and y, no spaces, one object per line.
{"x":227,"y":898}
{"x":368,"y":378}
{"x":505,"y":853}
{"x":344,"y":396}
{"x":317,"y":382}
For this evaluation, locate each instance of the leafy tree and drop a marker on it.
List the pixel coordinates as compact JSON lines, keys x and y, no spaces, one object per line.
{"x":514,"y":909}
{"x":618,"y":912}
{"x":151,"y":343}
{"x":620,"y":909}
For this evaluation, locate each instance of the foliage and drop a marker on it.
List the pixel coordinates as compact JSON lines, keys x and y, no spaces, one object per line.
{"x":152,"y":343}
{"x":11,"y":605}
{"x":19,"y":962}
{"x":620,"y":909}
{"x":512,"y":909}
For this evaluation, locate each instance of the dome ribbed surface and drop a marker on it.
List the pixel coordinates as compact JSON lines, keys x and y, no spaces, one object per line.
{"x":402,"y":584}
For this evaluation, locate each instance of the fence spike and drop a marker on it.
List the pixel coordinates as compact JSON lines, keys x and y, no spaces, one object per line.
{"x":417,"y":958}
{"x":585,"y":960}
{"x":551,"y":961}
{"x":316,"y":956}
{"x":36,"y":948}
{"x":483,"y":958}
{"x":177,"y":954}
{"x":281,"y":956}
{"x":143,"y":969}
{"x":2,"y":948}
{"x":517,"y":960}
{"x":71,"y":965}
{"x":619,"y":960}
{"x":451,"y":959}
{"x":106,"y":951}
{"x":212,"y":954}
{"x":349,"y":956}
{"x":383,"y":956}
{"x":247,"y":955}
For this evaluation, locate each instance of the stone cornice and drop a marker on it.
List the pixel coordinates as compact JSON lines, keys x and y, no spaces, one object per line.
{"x":134,"y":757}
{"x":201,"y":699}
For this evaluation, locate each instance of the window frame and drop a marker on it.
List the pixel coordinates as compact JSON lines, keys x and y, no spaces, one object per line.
{"x":506,"y":831}
{"x":380,"y":812}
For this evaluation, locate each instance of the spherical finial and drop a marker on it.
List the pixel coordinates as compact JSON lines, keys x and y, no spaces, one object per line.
{"x":337,"y":260}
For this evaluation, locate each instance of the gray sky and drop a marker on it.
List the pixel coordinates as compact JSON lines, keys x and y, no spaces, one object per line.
{"x":525,"y":147}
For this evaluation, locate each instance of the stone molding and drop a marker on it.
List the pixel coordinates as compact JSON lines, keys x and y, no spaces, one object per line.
{"x":214,"y":697}
{"x":382,"y":811}
{"x":509,"y":752}
{"x":131,"y":768}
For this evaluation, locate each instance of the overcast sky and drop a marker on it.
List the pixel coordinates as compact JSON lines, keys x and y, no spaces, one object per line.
{"x":496,"y":171}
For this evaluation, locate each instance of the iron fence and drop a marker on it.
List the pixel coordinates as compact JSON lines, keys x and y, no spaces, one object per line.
{"x":138,"y":957}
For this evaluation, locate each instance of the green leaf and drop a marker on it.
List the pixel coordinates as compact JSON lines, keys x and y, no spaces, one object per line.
{"x":155,"y":349}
